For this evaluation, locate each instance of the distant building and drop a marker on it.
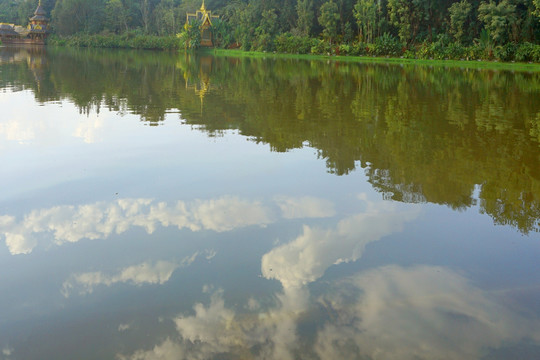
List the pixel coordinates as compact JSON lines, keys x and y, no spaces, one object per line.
{"x":205,"y":17}
{"x":8,"y":33}
{"x":35,"y":33}
{"x":39,"y":24}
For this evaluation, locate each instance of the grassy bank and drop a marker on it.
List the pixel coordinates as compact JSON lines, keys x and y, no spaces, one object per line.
{"x":494,"y":65}
{"x":134,"y":40}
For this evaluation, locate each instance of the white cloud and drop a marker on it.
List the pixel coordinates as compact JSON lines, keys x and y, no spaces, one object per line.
{"x":20,"y":243}
{"x":7,"y":351}
{"x":228,"y":213}
{"x":16,"y":129}
{"x":210,"y":254}
{"x":90,"y":129}
{"x":305,"y":207}
{"x":216,"y":329}
{"x":123,"y":327}
{"x":306,"y":258}
{"x":188,"y":260}
{"x":69,"y":224}
{"x":392,"y":312}
{"x":424,"y":312}
{"x":167,"y":350}
{"x":142,"y":274}
{"x":210,"y":324}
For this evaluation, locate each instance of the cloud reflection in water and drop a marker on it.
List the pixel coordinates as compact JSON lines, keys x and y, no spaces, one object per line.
{"x":145,"y":273}
{"x":70,"y":224}
{"x":390,"y":312}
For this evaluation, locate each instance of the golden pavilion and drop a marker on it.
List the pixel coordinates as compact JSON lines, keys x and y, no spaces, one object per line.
{"x":38,"y":26}
{"x":205,"y":17}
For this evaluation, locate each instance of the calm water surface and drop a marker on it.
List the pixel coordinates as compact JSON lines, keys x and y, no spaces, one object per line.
{"x":162,"y":206}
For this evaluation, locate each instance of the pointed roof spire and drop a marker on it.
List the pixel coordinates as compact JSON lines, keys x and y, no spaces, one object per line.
{"x":203,"y":8}
{"x":39,"y":10}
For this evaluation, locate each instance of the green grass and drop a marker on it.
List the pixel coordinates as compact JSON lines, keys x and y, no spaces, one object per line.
{"x":489,"y":65}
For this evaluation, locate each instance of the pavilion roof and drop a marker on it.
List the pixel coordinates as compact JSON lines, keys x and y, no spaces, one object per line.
{"x":40,"y":13}
{"x":6,"y":29}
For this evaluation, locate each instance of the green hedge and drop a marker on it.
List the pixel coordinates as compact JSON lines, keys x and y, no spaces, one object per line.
{"x":290,"y":44}
{"x":127,"y":40}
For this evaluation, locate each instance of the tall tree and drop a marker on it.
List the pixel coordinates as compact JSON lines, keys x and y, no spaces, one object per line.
{"x":304,"y":10}
{"x":328,"y":19}
{"x":498,"y":19}
{"x":365,"y":12}
{"x":25,"y":10}
{"x":164,"y":17}
{"x":405,"y":17}
{"x":146,"y":8}
{"x":117,"y":16}
{"x":72,"y":16}
{"x":459,"y":15}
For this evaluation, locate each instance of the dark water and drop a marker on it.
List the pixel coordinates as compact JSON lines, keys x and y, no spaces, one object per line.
{"x":163,"y":206}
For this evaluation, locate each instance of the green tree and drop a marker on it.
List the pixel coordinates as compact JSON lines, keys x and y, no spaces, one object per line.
{"x":459,"y":15}
{"x":365,"y":13}
{"x":498,"y":19}
{"x":328,"y":19}
{"x":304,"y":10}
{"x":117,"y":16}
{"x":405,"y":17}
{"x":146,"y":8}
{"x":190,"y":37}
{"x":71,"y":16}
{"x":222,"y":33}
{"x":266,"y":31}
{"x":165,"y":18}
{"x":25,"y":10}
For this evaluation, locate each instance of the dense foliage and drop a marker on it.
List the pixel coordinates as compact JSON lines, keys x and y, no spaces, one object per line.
{"x":474,"y":29}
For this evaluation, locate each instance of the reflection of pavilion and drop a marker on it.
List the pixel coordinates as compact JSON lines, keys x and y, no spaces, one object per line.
{"x":202,"y":86}
{"x":27,"y":66}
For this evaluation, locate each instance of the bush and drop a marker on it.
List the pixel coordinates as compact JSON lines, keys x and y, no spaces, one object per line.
{"x":358,"y":49}
{"x":320,"y":47}
{"x":506,"y":52}
{"x":263,"y":42}
{"x":410,"y":54}
{"x":289,"y":44}
{"x":344,"y":49}
{"x":528,"y":52}
{"x":456,"y":51}
{"x":388,"y":45}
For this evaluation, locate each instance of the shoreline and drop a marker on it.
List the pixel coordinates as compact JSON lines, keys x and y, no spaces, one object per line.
{"x":476,"y":64}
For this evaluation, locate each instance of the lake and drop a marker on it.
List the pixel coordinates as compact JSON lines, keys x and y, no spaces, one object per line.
{"x":172,"y":206}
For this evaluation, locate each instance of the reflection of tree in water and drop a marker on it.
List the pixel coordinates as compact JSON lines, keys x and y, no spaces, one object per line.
{"x":421,"y":134}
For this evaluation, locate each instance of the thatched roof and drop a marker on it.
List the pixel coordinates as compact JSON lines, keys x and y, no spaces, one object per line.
{"x":7,"y":30}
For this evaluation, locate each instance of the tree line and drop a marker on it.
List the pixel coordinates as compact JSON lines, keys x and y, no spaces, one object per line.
{"x":357,"y":27}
